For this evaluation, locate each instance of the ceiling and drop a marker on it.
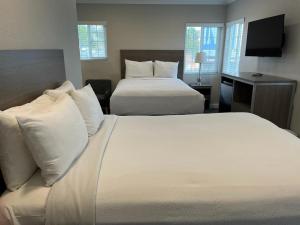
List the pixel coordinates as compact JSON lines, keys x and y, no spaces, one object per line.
{"x":161,"y":2}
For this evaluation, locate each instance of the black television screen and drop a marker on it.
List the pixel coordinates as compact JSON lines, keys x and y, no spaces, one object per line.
{"x":266,"y":37}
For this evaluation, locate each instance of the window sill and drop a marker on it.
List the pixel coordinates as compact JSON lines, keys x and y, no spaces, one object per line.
{"x":94,"y":59}
{"x":202,"y":74}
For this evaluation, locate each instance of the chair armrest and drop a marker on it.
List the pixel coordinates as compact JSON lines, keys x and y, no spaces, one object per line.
{"x":107,"y":93}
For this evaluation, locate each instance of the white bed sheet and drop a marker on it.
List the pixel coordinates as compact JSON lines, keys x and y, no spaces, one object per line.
{"x":26,"y":206}
{"x":233,"y":169}
{"x":155,"y":96}
{"x":216,"y":169}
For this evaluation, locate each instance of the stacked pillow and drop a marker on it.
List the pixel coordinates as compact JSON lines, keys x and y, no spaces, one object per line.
{"x":49,"y":133}
{"x":145,"y":69}
{"x":17,"y":164}
{"x":165,"y":69}
{"x":86,"y":101}
{"x":89,"y":106}
{"x":66,"y":87}
{"x":55,"y":137}
{"x":138,"y":69}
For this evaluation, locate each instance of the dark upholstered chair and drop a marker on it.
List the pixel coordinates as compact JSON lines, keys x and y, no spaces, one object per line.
{"x":102,"y":89}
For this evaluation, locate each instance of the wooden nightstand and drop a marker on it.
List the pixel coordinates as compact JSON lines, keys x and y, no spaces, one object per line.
{"x":204,"y":89}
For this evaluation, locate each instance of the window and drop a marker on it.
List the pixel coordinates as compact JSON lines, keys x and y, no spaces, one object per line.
{"x":233,"y":45}
{"x":203,"y":38}
{"x":92,"y":41}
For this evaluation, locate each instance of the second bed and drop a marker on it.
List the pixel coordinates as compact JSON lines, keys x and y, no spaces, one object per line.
{"x":155,"y":96}
{"x":142,"y":91}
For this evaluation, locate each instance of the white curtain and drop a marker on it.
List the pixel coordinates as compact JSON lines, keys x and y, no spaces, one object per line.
{"x":233,"y":45}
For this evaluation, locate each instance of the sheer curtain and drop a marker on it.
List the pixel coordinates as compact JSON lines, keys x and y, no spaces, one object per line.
{"x":233,"y":45}
{"x":203,"y":38}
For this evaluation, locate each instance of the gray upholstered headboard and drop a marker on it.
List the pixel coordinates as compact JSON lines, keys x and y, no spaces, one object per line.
{"x":152,"y":55}
{"x":25,"y":74}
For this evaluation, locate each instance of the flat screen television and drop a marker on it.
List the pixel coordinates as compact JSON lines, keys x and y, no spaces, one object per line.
{"x":266,"y":37}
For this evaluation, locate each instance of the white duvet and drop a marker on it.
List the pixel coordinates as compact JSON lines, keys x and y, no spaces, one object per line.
{"x":155,"y":96}
{"x":211,"y":169}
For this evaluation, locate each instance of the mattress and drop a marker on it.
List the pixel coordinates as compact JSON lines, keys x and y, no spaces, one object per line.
{"x":155,"y":96}
{"x":211,"y":169}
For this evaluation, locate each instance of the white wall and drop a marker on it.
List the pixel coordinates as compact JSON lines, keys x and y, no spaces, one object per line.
{"x":42,"y":24}
{"x":144,"y":27}
{"x":287,"y":66}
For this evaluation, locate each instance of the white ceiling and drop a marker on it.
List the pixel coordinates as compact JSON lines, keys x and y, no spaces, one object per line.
{"x":162,"y":2}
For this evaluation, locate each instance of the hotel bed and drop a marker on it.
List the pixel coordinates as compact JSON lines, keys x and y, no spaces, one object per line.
{"x":210,"y":169}
{"x":210,"y":172}
{"x":152,"y":95}
{"x":155,"y":96}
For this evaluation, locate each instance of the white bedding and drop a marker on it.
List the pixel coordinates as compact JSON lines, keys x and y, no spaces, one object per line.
{"x":26,"y":206}
{"x":75,"y":195}
{"x":211,"y":169}
{"x":155,"y":96}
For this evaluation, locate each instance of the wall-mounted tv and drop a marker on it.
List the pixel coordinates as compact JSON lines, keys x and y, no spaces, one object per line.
{"x":266,"y":37}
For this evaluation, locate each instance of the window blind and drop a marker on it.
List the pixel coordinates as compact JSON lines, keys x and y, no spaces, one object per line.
{"x":92,"y":41}
{"x":233,"y":45}
{"x":203,"y":38}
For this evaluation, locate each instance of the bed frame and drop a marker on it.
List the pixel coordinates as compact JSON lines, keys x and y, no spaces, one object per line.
{"x":152,"y":55}
{"x":25,"y":74}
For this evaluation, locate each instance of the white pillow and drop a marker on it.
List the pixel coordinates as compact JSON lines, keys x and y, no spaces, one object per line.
{"x":55,"y":137}
{"x":138,"y":69}
{"x":17,"y":164}
{"x":165,"y":69}
{"x":66,"y":87}
{"x":89,"y":106}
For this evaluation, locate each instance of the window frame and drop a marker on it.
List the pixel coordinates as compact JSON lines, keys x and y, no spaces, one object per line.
{"x":102,"y":23}
{"x":238,"y":21}
{"x":220,"y":43}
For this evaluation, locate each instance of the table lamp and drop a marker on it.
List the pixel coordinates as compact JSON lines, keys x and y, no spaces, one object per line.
{"x":200,"y":58}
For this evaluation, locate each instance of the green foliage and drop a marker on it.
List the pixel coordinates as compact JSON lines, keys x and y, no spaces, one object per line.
{"x":193,"y":40}
{"x":83,"y":33}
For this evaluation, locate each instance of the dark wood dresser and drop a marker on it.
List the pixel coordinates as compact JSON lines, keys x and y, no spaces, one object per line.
{"x":270,"y":97}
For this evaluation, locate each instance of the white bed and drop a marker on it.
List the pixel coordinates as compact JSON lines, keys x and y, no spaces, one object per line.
{"x":155,"y":96}
{"x":195,"y":169}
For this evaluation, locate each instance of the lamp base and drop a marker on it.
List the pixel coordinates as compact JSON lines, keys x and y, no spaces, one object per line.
{"x":197,"y":83}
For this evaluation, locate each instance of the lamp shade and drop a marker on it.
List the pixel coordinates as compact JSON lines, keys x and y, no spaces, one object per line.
{"x":200,"y":57}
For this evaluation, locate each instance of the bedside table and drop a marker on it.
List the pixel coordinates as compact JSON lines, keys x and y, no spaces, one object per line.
{"x":102,"y":89}
{"x":204,"y":89}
